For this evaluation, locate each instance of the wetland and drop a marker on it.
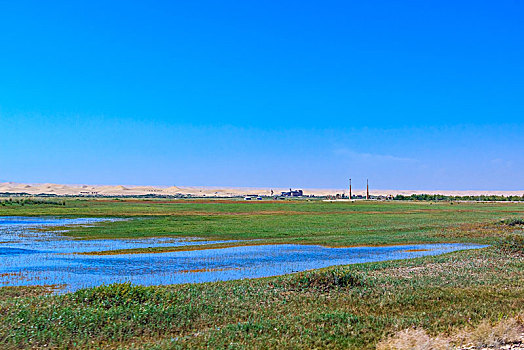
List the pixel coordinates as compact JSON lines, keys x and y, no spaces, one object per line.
{"x":29,"y":256}
{"x":328,"y":273}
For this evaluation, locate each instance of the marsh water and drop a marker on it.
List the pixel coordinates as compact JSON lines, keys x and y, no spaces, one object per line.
{"x":29,"y":256}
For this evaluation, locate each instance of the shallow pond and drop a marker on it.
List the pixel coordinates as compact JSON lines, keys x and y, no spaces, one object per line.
{"x":32,"y":257}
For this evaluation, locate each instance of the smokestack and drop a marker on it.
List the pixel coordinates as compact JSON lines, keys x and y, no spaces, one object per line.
{"x":367,"y":189}
{"x":349,"y":188}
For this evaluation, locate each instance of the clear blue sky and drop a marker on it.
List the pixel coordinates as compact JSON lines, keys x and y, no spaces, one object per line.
{"x":410,"y":94}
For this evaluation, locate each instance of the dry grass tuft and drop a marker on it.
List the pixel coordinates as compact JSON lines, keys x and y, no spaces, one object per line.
{"x":414,"y":339}
{"x":484,"y":335}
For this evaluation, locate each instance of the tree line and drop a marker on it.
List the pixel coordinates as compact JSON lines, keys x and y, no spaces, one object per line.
{"x":440,"y":197}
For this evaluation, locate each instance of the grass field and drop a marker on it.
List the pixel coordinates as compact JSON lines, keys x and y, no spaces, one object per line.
{"x":353,"y":306}
{"x":314,"y":222}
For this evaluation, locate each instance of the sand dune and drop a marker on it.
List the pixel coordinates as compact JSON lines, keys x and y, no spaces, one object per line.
{"x":105,"y":190}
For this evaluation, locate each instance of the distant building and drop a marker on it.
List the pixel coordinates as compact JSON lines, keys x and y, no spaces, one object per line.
{"x":291,"y":193}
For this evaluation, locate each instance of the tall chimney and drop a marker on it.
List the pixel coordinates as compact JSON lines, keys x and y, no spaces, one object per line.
{"x":349,"y":188}
{"x":367,"y":189}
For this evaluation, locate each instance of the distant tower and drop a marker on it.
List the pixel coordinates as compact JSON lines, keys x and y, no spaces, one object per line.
{"x":367,"y":189}
{"x":349,"y":188}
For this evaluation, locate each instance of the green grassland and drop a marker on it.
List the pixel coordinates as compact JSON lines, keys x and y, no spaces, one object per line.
{"x":352,"y":306}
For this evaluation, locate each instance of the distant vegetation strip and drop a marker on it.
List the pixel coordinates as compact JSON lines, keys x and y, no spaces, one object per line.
{"x":21,"y":201}
{"x":221,"y":246}
{"x":440,"y":197}
{"x":171,"y":249}
{"x":399,"y":197}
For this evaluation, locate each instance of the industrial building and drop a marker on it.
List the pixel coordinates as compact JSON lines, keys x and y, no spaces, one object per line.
{"x":292,"y":193}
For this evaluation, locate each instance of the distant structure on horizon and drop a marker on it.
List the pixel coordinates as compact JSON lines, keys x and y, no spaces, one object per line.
{"x":367,"y":189}
{"x":291,"y":193}
{"x":349,"y":188}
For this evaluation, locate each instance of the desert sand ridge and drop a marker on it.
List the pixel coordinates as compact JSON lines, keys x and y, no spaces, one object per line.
{"x":124,"y":190}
